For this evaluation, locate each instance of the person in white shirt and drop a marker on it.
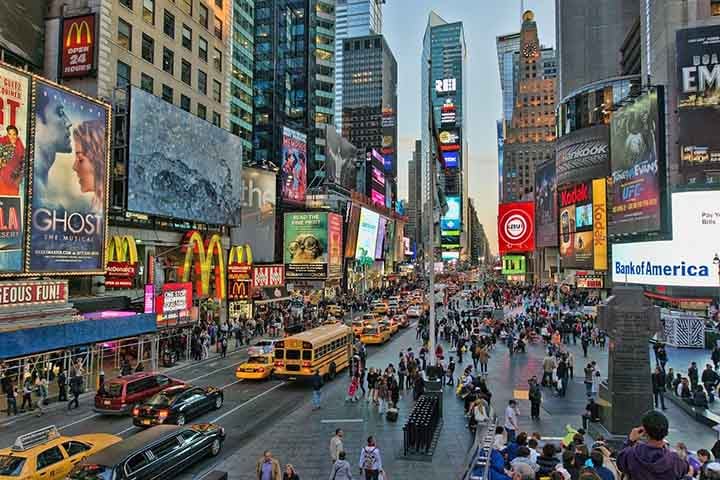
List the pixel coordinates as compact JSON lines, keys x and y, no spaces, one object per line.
{"x":370,"y":460}
{"x":511,"y":423}
{"x":336,"y":445}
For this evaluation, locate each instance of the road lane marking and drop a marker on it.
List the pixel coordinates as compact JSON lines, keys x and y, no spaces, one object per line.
{"x":342,"y":420}
{"x":79,"y":421}
{"x":132,"y":427}
{"x":236,"y":408}
{"x":231,"y":384}
{"x":214,"y":371}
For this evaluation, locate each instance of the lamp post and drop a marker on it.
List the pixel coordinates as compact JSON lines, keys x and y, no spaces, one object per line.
{"x":716,"y":261}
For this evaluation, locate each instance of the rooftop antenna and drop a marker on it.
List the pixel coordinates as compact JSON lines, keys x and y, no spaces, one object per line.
{"x":522,"y":8}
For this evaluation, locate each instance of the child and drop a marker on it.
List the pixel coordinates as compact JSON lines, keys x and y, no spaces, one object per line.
{"x":352,"y":390}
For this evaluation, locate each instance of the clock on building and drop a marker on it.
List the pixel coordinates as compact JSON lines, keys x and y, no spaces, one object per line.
{"x":530,"y":49}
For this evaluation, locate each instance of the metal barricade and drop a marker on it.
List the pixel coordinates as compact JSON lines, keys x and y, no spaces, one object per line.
{"x":478,"y":467}
{"x":421,"y":424}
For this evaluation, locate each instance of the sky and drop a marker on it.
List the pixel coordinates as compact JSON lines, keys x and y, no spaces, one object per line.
{"x":404,"y":23}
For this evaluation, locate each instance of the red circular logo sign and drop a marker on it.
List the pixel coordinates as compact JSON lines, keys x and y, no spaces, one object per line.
{"x":516,"y":228}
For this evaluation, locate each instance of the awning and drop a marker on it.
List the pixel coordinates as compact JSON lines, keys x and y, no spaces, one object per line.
{"x":667,"y":298}
{"x":272,"y":300}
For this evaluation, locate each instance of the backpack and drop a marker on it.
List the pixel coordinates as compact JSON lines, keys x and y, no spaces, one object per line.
{"x":370,"y":458}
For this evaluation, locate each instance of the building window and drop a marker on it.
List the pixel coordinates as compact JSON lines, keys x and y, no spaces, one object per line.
{"x":186,"y":72}
{"x":167,"y":93}
{"x":218,"y":3}
{"x":217,"y":60}
{"x":124,"y":36}
{"x":169,"y":24}
{"x":204,"y":15}
{"x":202,"y":49}
{"x":185,"y":103}
{"x":217,"y":91}
{"x":715,"y":7}
{"x":126,"y":3}
{"x":123,"y":74}
{"x":202,"y":111}
{"x":147,"y":83}
{"x":168,"y":61}
{"x":218,"y":28}
{"x":185,"y":6}
{"x":216,"y":119}
{"x":187,"y":37}
{"x":149,"y":11}
{"x":202,"y":82}
{"x":148,"y":48}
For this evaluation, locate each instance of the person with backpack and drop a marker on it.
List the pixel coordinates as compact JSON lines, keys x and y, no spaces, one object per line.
{"x":370,"y":460}
{"x":341,"y":469}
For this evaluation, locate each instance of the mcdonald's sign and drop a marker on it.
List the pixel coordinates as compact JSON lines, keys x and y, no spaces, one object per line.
{"x":207,"y":258}
{"x":78,"y":46}
{"x":240,"y":272}
{"x":122,"y":260}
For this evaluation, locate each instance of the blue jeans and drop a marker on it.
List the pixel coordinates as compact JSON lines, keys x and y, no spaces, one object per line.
{"x":510,"y":435}
{"x":588,"y":389}
{"x":316,"y":399}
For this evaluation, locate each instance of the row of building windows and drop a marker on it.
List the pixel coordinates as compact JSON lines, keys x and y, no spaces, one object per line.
{"x":186,"y":6}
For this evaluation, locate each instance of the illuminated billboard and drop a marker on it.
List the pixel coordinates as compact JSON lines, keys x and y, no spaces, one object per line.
{"x":375,"y":183}
{"x":576,"y":235}
{"x":257,"y":226}
{"x":546,"y":205}
{"x":77,"y":57}
{"x":451,"y":219}
{"x":307,"y":247}
{"x":367,"y":233}
{"x":293,"y":155}
{"x":513,"y":265}
{"x":516,"y":227}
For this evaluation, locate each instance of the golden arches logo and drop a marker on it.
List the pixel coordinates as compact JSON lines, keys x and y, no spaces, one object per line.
{"x":121,"y":248}
{"x":78,"y":28}
{"x":207,"y":257}
{"x":241,"y":254}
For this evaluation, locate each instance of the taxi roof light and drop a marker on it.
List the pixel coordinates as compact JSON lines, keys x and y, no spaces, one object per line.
{"x":33,"y":439}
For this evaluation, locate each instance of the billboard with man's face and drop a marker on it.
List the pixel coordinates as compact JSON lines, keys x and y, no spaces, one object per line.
{"x":341,"y":160}
{"x":68,"y":213}
{"x":14,"y":99}
{"x":546,"y":205}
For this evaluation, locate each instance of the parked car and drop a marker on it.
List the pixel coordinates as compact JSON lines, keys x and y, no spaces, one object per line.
{"x":120,"y":394}
{"x":44,"y":453}
{"x":176,"y":405}
{"x":156,"y":453}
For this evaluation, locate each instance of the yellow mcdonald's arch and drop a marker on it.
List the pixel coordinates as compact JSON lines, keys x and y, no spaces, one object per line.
{"x":202,"y":254}
{"x":121,"y":248}
{"x":78,"y":28}
{"x":241,"y":254}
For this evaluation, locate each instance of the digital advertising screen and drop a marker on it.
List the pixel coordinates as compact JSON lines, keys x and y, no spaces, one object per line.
{"x":513,"y":265}
{"x":583,"y":216}
{"x":341,"y":159}
{"x":353,"y":224}
{"x":576,"y":221}
{"x":451,"y":159}
{"x":257,"y":225}
{"x":516,"y":227}
{"x":306,"y":245}
{"x":376,"y":177}
{"x":14,"y":135}
{"x":68,"y":216}
{"x":293,"y":157}
{"x":335,"y":243}
{"x":451,"y":219}
{"x":367,"y":233}
{"x":546,"y":205}
{"x":380,"y":241}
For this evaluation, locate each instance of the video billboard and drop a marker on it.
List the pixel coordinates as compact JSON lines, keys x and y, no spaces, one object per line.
{"x":180,"y":165}
{"x":698,"y":50}
{"x":516,"y":227}
{"x":293,"y":157}
{"x":637,"y":179}
{"x":451,"y":221}
{"x":257,"y":224}
{"x":684,"y":261}
{"x":306,"y":249}
{"x":376,"y":177}
{"x":14,"y":112}
{"x":69,"y":182}
{"x":353,"y":224}
{"x":77,"y":57}
{"x":22,"y":28}
{"x":513,"y":264}
{"x":341,"y":160}
{"x":381,"y":234}
{"x":367,"y":233}
{"x":583,"y":154}
{"x":335,"y":243}
{"x":546,"y":205}
{"x":576,"y":226}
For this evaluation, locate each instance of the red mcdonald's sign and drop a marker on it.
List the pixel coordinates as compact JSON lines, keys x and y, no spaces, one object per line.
{"x":78,"y":46}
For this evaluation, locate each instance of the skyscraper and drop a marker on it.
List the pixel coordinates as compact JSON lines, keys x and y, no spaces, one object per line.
{"x":353,"y":18}
{"x":508,"y":50}
{"x":241,"y":74}
{"x":443,"y":87}
{"x":414,"y":207}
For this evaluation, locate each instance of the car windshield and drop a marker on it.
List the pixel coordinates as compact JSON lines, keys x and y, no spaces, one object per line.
{"x":113,"y":390}
{"x":263,"y":343}
{"x":91,"y":472}
{"x":370,"y":331}
{"x":257,"y":360}
{"x":11,"y":466}
{"x":162,"y":399}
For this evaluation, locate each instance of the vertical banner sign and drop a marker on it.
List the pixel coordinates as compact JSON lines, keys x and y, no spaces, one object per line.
{"x":174,"y":303}
{"x":576,"y":225}
{"x":293,"y":156}
{"x":335,"y":236}
{"x":14,"y":96}
{"x":599,"y":224}
{"x":69,"y":183}
{"x":78,"y":46}
{"x":239,"y":281}
{"x":516,"y":227}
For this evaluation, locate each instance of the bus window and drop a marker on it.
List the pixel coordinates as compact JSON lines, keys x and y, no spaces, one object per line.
{"x":279,"y":354}
{"x":307,"y":355}
{"x":292,"y":355}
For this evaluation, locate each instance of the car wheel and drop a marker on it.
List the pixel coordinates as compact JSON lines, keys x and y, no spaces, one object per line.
{"x":215,"y":447}
{"x":180,"y":420}
{"x":218,"y":402}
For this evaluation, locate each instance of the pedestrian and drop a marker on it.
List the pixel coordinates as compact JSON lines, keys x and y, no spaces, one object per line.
{"x":267,"y":468}
{"x":693,"y":375}
{"x":11,"y":394}
{"x":341,"y":469}
{"x":75,"y":389}
{"x":585,"y":342}
{"x":336,"y":444}
{"x":483,"y":357}
{"x":316,"y":386}
{"x":589,"y":373}
{"x":27,"y":395}
{"x":597,"y":379}
{"x":371,"y":380}
{"x":42,"y":393}
{"x":549,"y":366}
{"x":62,"y":386}
{"x":535,"y":397}
{"x":382,"y":393}
{"x":450,"y":371}
{"x":402,"y":372}
{"x":290,"y":473}
{"x":370,"y":460}
{"x":511,"y":422}
{"x":223,"y":346}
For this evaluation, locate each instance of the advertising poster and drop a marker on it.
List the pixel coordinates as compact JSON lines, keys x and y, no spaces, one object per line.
{"x":335,"y":237}
{"x":698,"y":60}
{"x":69,"y":183}
{"x":546,"y":205}
{"x":451,"y":220}
{"x":576,"y":226}
{"x":637,"y":167}
{"x":257,"y":225}
{"x":599,"y":224}
{"x":583,"y":154}
{"x":589,"y":281}
{"x":293,"y":156}
{"x":367,"y":233}
{"x":513,"y":264}
{"x":381,"y":233}
{"x":77,"y":57}
{"x":14,"y":97}
{"x":174,"y":303}
{"x":341,"y":159}
{"x":684,"y":261}
{"x":516,"y":227}
{"x":181,"y":166}
{"x":239,"y":278}
{"x":268,"y":276}
{"x":306,"y":245}
{"x":352,"y":231}
{"x":376,"y":177}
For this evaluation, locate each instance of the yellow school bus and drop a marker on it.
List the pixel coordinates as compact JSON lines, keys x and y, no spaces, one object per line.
{"x":327,"y":348}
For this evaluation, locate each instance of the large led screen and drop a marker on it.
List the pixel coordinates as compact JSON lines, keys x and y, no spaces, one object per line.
{"x":451,"y":219}
{"x":684,"y":261}
{"x":367,"y":233}
{"x":257,"y":227}
{"x":293,"y":155}
{"x":307,"y":246}
{"x":546,"y":205}
{"x":182,"y":166}
{"x":69,"y":182}
{"x":341,"y":160}
{"x":381,"y":233}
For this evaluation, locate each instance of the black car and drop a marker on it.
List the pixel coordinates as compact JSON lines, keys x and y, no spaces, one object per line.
{"x":176,"y":405}
{"x":157,"y":453}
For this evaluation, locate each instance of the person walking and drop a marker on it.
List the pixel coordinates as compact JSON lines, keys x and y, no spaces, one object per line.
{"x":535,"y":397}
{"x":62,"y":386}
{"x":693,"y":375}
{"x":511,"y":421}
{"x":267,"y":468}
{"x":336,"y":445}
{"x":370,"y":460}
{"x":27,"y":395}
{"x":382,"y":394}
{"x":483,"y":357}
{"x":402,"y":372}
{"x":290,"y":473}
{"x":316,"y":386}
{"x":11,"y":397}
{"x":589,"y":373}
{"x":658,"y":385}
{"x":549,"y":366}
{"x":341,"y":469}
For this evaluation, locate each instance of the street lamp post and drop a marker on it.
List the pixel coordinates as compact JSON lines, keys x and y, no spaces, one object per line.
{"x":716,"y":261}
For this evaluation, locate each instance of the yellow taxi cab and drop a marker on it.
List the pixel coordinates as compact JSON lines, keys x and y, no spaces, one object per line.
{"x":257,"y":367}
{"x":45,"y":454}
{"x":402,"y":321}
{"x":374,"y":334}
{"x":370,"y":317}
{"x":380,"y":307}
{"x":390,"y":324}
{"x":357,"y":326}
{"x":335,"y":311}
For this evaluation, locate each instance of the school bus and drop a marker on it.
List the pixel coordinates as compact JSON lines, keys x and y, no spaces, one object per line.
{"x":327,"y":348}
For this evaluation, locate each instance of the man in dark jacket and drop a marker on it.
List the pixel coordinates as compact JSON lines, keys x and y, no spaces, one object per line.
{"x":658,"y":384}
{"x":709,"y":380}
{"x":535,"y":397}
{"x":650,"y":460}
{"x":693,"y":375}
